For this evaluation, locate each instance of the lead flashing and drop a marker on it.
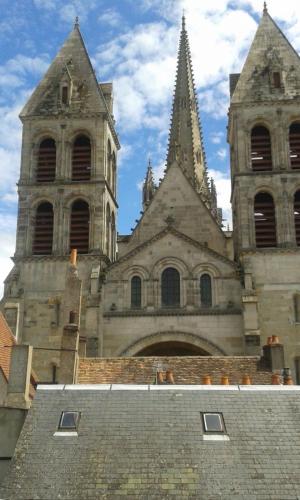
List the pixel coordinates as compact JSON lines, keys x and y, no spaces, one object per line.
{"x":144,"y":387}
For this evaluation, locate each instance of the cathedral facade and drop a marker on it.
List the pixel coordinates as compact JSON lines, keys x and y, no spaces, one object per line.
{"x":178,"y":284}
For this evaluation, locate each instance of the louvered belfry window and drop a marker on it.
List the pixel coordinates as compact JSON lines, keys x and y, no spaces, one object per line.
{"x":170,"y":288}
{"x":297,"y":216}
{"x":205,"y":290}
{"x":81,"y":159}
{"x":261,"y":153}
{"x":46,"y":163}
{"x":136,"y":292}
{"x":80,"y":227}
{"x":43,"y":230}
{"x":265,"y":220}
{"x":295,"y":146}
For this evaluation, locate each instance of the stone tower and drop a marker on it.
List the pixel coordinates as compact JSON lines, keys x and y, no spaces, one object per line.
{"x":264,"y":138}
{"x":67,"y":200}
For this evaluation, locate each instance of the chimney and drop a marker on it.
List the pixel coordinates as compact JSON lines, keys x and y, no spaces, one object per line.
{"x":273,"y":354}
{"x":69,"y":351}
{"x":18,"y":391}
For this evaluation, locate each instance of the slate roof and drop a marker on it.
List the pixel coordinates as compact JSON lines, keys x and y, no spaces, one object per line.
{"x":7,"y":340}
{"x":146,"y":442}
{"x":186,"y":370}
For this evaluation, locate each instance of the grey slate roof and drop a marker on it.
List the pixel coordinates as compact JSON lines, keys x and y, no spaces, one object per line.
{"x":147,"y":443}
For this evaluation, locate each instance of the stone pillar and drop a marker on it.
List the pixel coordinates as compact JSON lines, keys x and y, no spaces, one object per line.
{"x":19,"y":377}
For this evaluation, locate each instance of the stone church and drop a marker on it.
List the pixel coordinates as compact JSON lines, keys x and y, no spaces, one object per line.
{"x":179,"y":284}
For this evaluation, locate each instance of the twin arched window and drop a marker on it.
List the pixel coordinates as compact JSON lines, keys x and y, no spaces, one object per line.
{"x":43,"y":228}
{"x":297,"y":216}
{"x":294,"y":136}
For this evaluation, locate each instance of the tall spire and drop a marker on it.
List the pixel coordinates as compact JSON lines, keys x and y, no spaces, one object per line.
{"x":185,"y":141}
{"x":148,"y":186}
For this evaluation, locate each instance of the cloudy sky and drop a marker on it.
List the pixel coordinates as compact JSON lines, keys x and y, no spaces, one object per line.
{"x":133,"y":43}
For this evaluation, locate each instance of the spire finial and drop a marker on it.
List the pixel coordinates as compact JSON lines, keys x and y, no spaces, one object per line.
{"x":265,"y":8}
{"x":76,"y":24}
{"x":183,"y":20}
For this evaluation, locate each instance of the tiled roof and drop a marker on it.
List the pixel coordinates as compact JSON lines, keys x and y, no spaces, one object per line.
{"x":186,"y":370}
{"x":150,"y":444}
{"x":7,"y":340}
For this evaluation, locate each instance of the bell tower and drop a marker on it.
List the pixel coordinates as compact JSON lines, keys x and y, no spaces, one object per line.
{"x":67,"y":200}
{"x":264,"y":138}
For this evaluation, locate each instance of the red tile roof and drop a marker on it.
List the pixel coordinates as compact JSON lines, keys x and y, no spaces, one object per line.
{"x":7,"y":340}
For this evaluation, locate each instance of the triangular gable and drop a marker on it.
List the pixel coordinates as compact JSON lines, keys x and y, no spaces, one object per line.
{"x":162,"y":234}
{"x":270,"y":53}
{"x":177,"y":204}
{"x":72,"y":64}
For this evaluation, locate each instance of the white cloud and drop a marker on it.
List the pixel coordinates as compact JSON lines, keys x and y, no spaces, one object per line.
{"x":110,"y":17}
{"x":69,"y":10}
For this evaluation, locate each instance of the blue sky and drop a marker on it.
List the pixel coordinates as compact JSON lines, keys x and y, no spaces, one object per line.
{"x":134,"y":44}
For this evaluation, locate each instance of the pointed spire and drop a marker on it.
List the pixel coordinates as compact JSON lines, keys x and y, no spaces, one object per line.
{"x":148,"y":186}
{"x":76,"y":24}
{"x":185,"y":141}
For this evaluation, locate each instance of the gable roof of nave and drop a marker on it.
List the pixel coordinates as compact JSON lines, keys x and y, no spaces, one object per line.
{"x":169,"y":230}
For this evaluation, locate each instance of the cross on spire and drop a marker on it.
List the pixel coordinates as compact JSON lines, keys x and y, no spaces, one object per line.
{"x":76,"y":24}
{"x":265,"y":8}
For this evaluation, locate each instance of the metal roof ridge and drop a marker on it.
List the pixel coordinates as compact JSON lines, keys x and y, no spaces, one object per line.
{"x":171,"y":387}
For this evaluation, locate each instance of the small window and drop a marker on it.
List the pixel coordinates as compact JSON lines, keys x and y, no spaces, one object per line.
{"x":276,"y":80}
{"x":136,"y":292}
{"x":213,"y":422}
{"x":69,"y":420}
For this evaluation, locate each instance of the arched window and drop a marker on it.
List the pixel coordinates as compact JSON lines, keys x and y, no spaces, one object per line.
{"x":261,"y":153}
{"x":46,"y":163}
{"x":43,"y":230}
{"x":81,"y":159}
{"x":297,"y":216}
{"x":170,"y":287}
{"x":265,"y":220}
{"x":136,"y":292}
{"x":108,"y":163}
{"x":205,"y":290}
{"x":80,"y":227}
{"x":295,"y":146}
{"x":107,"y":230}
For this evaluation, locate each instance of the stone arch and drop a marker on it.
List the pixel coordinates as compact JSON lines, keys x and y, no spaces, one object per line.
{"x":182,"y":337}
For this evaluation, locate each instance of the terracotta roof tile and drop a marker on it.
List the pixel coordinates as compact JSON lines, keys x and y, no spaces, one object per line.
{"x":7,"y":340}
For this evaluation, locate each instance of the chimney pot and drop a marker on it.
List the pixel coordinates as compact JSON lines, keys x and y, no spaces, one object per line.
{"x":288,"y":380}
{"x":73,"y":257}
{"x":275,"y":379}
{"x":224,"y":380}
{"x":160,"y":377}
{"x":275,"y":339}
{"x":206,"y":380}
{"x":246,"y":380}
{"x":170,"y":377}
{"x":269,"y":341}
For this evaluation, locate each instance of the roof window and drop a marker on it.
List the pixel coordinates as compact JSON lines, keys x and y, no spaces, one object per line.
{"x":213,"y":422}
{"x":69,"y":420}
